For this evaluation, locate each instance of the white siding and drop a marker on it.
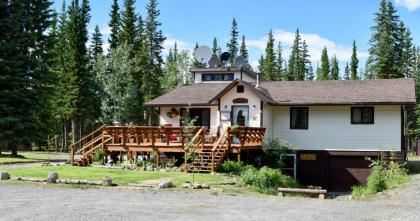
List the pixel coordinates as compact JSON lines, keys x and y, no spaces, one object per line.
{"x":214,"y":117}
{"x":330,"y":128}
{"x":236,"y":75}
{"x":254,"y":104}
{"x":267,"y":120}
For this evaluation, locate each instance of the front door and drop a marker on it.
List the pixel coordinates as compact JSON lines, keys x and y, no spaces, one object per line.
{"x":240,"y":115}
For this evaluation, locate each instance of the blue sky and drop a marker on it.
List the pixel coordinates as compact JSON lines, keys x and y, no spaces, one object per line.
{"x":333,"y":23}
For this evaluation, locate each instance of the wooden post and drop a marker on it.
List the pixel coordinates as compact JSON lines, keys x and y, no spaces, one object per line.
{"x":239,"y":155}
{"x":157,"y":158}
{"x":72,"y":156}
{"x":185,"y":164}
{"x":212,"y":161}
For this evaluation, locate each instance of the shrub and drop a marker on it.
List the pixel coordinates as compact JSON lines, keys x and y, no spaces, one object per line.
{"x":99,"y":155}
{"x":384,"y":175}
{"x":231,"y":167}
{"x":267,"y":180}
{"x":273,"y":148}
{"x":377,"y":179}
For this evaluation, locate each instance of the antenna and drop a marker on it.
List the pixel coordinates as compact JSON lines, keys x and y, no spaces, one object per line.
{"x":202,"y":54}
{"x":214,"y":61}
{"x":225,"y":57}
{"x":239,"y":62}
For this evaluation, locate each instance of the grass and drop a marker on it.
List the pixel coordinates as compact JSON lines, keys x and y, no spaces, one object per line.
{"x":121,"y":177}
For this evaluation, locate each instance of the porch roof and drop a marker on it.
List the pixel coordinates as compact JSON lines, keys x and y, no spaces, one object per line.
{"x":195,"y":94}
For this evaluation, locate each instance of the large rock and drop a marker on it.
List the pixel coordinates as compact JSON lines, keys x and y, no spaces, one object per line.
{"x":106,"y":181}
{"x":52,"y":177}
{"x":4,"y":176}
{"x":205,"y":186}
{"x":186,"y":185}
{"x":166,"y":184}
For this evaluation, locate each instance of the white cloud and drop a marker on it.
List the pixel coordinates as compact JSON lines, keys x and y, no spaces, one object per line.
{"x":315,"y":45}
{"x":410,"y":5}
{"x":170,"y":42}
{"x":104,"y":31}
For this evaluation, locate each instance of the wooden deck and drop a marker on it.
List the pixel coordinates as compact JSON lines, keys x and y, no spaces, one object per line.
{"x":133,"y":140}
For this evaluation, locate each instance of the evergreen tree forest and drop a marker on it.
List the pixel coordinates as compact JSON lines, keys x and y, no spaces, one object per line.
{"x":58,"y":82}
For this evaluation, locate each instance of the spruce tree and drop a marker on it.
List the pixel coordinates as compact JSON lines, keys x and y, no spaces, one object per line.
{"x":335,"y":70}
{"x":232,"y":45}
{"x":128,"y":23}
{"x":325,"y":65}
{"x":215,"y":48}
{"x":261,"y":65}
{"x":244,"y":51}
{"x":154,"y":43}
{"x":354,"y":63}
{"x":269,"y":70}
{"x":406,"y":51}
{"x":114,"y":25}
{"x":171,"y":74}
{"x":347,"y":72}
{"x":298,"y":61}
{"x":280,"y":62}
{"x":25,"y":82}
{"x":195,"y":63}
{"x":304,"y":63}
{"x":310,"y":76}
{"x":96,"y":46}
{"x":383,"y":59}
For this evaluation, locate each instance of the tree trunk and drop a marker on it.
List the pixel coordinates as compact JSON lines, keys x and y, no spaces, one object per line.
{"x":73,"y":130}
{"x":13,"y":147}
{"x":55,"y":143}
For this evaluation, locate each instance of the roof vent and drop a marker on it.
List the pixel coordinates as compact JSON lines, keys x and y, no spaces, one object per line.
{"x":258,"y":81}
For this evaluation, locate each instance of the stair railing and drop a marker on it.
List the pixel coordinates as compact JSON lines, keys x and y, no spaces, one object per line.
{"x":218,"y":146}
{"x":73,"y":147}
{"x":197,"y":140}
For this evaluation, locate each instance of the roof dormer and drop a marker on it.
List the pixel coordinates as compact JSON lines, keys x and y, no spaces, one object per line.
{"x":222,"y":75}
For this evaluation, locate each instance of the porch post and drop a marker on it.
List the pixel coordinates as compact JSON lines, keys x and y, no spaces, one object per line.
{"x":158,"y":158}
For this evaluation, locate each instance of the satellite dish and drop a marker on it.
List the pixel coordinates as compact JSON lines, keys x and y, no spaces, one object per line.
{"x":203,"y":54}
{"x":225,"y":56}
{"x":239,"y":61}
{"x":214,"y":61}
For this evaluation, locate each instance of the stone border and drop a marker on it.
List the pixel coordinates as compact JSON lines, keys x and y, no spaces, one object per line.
{"x":53,"y":178}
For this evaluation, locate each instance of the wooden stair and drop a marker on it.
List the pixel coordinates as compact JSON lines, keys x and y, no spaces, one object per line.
{"x":211,"y":157}
{"x":89,"y":148}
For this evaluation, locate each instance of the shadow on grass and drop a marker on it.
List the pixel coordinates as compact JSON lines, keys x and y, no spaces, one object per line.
{"x":11,"y":156}
{"x":413,"y":167}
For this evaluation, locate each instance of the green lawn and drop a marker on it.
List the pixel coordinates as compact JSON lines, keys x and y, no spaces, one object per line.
{"x":118,"y":176}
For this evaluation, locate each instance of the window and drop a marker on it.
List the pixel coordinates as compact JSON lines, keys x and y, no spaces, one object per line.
{"x":240,"y":89}
{"x":217,"y":77}
{"x":362,"y":115}
{"x":288,"y":164}
{"x":299,"y":118}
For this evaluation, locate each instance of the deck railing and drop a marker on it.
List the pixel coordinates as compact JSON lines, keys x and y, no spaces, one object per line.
{"x":161,"y":138}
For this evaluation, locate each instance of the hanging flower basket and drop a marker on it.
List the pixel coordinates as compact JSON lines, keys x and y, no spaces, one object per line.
{"x":173,"y":113}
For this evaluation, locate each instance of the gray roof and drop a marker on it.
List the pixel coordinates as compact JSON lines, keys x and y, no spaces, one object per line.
{"x":195,"y":94}
{"x":385,"y":91}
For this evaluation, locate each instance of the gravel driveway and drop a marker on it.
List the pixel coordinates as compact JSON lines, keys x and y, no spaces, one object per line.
{"x":30,"y":202}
